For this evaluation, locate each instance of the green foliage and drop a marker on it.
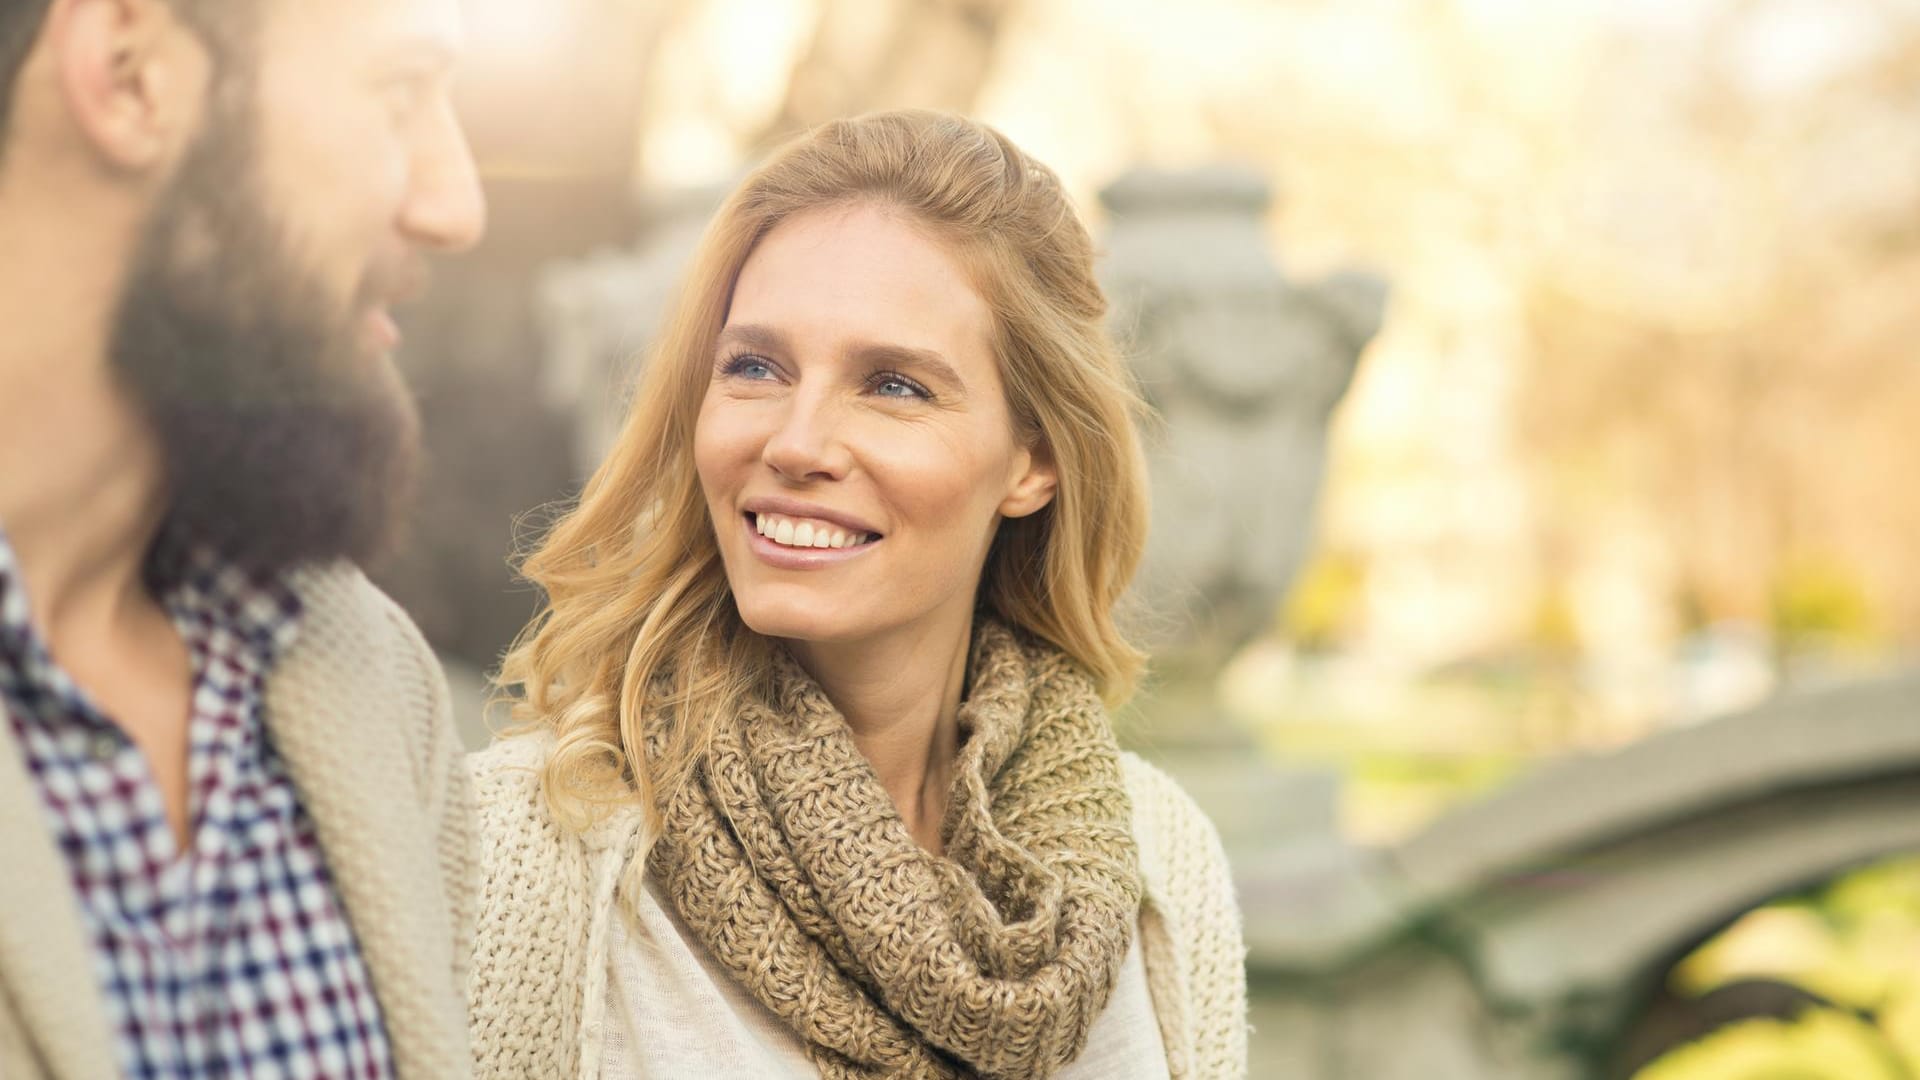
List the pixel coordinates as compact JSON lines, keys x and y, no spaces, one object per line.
{"x":1556,"y":627}
{"x":1325,"y":601}
{"x":1820,"y":1045}
{"x":1854,"y":942}
{"x":1820,"y":601}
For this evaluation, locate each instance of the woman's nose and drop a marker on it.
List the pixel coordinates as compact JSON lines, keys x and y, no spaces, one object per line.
{"x":808,"y":443}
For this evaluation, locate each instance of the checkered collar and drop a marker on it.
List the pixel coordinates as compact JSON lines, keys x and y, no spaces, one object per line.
{"x":16,"y":627}
{"x":192,"y":579}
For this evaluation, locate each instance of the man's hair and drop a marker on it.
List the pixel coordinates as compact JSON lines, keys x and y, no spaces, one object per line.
{"x":20,"y":22}
{"x":222,"y":24}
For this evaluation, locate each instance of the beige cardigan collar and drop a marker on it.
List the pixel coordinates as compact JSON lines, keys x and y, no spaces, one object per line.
{"x":44,"y":953}
{"x":353,"y":766}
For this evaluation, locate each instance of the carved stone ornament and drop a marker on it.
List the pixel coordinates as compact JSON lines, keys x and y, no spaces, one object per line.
{"x":1244,"y":368}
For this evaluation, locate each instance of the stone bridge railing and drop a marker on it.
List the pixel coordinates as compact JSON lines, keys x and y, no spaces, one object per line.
{"x":1524,"y":936}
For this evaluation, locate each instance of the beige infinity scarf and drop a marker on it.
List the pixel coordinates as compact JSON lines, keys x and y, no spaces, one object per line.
{"x":788,"y":861}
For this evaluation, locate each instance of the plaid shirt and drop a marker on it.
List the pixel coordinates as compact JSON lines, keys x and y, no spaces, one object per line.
{"x":234,"y":958}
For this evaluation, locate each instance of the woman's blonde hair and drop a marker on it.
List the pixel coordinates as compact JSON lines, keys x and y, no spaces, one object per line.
{"x":638,"y":608}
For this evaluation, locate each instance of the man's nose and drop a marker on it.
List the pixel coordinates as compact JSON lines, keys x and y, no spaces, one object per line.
{"x":445,"y":208}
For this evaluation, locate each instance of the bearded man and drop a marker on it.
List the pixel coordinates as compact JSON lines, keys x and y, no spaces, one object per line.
{"x":234,"y":827}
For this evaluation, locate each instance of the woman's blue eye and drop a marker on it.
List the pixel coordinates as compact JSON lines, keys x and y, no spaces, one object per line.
{"x":750,"y":367}
{"x":899,"y":386}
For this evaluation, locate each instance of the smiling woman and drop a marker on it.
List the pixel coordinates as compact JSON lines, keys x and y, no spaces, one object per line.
{"x":813,"y":750}
{"x":814,"y":429}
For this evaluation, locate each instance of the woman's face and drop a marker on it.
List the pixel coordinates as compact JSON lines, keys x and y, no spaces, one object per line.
{"x":854,"y":445}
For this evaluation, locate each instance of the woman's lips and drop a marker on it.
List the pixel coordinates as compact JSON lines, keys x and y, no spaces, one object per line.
{"x":790,"y":557}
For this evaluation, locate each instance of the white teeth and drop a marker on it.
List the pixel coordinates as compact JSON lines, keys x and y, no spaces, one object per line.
{"x":805,"y":534}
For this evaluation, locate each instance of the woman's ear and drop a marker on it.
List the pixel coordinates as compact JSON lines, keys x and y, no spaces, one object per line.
{"x":1035,"y":479}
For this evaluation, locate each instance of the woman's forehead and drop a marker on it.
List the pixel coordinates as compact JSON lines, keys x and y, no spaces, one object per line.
{"x":862,"y":274}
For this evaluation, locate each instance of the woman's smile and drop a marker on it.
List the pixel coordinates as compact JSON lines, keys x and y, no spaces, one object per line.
{"x":790,"y":543}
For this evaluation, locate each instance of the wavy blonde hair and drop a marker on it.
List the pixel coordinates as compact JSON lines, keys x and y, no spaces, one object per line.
{"x":638,"y":609}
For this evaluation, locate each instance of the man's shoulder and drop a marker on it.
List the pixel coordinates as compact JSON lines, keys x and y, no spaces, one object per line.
{"x":341,"y":609}
{"x":359,"y":660}
{"x":352,"y":631}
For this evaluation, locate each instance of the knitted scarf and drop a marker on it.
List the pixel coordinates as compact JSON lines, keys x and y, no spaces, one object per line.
{"x":788,"y":861}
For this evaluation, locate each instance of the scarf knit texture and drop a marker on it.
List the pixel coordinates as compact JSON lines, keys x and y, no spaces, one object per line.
{"x":788,"y":861}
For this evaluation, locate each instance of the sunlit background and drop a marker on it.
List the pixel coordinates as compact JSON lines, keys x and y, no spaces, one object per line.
{"x":1634,"y":448}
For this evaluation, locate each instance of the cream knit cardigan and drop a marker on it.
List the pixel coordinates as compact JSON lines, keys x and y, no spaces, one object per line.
{"x":538,"y":983}
{"x":358,"y":709}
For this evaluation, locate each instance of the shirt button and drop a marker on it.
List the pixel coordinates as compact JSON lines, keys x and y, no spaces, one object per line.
{"x":104,"y":746}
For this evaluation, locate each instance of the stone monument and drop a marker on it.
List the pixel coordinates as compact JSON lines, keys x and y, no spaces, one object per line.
{"x":1244,"y":368}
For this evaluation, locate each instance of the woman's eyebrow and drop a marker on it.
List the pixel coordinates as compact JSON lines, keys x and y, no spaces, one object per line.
{"x":878,"y":354}
{"x":751,"y":336}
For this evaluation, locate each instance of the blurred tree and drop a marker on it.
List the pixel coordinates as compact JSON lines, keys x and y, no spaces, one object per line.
{"x":1324,"y":601}
{"x":868,"y":54}
{"x":1730,"y":345}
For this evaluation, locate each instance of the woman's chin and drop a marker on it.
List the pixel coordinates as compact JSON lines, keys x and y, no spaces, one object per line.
{"x":787,"y":623}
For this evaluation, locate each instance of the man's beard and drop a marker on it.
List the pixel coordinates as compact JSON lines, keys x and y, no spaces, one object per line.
{"x":283,"y":442}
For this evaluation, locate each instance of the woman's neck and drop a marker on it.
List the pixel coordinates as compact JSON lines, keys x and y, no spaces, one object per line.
{"x":900,"y":695}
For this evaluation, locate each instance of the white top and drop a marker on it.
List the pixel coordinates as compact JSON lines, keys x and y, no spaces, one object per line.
{"x":673,"y":1012}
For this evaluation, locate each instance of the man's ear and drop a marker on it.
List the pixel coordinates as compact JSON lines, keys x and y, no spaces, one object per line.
{"x":132,"y":76}
{"x":1034,"y":484}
